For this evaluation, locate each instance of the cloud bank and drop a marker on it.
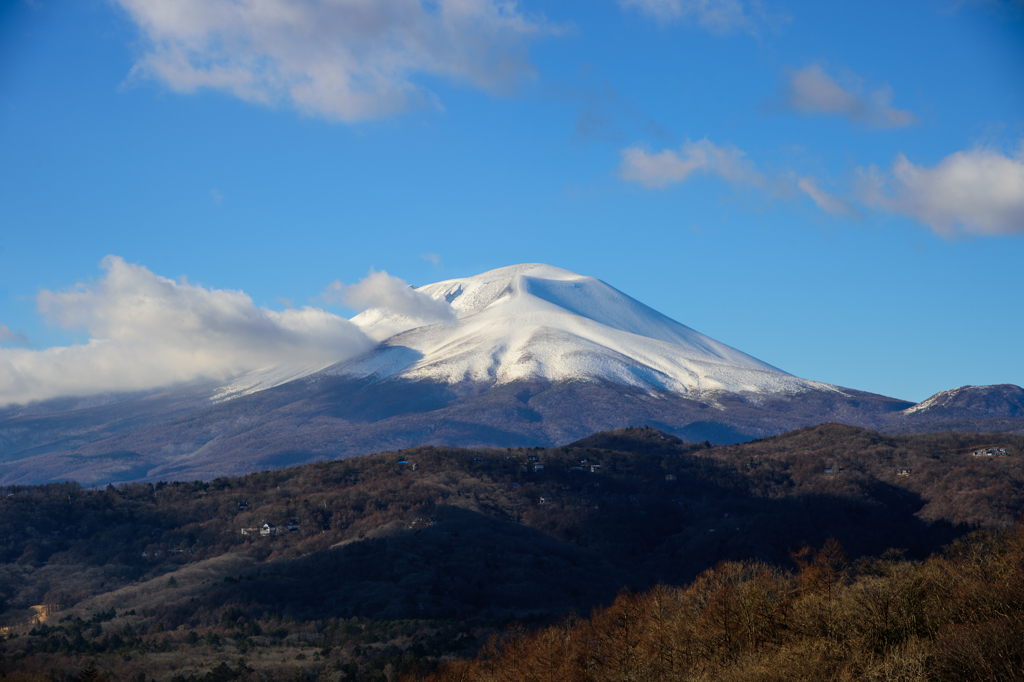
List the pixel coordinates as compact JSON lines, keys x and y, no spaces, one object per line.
{"x":978,"y":192}
{"x":146,"y":331}
{"x":812,"y":91}
{"x":656,"y":170}
{"x":345,"y":60}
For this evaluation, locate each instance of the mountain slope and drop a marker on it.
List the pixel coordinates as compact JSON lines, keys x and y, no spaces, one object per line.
{"x":328,"y":417}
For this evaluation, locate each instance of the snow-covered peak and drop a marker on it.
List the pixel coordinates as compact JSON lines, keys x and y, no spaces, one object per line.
{"x":536,"y":290}
{"x":472,"y":294}
{"x":536,"y":321}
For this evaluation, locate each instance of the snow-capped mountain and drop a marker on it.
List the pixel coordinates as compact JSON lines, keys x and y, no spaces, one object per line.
{"x":523,"y":355}
{"x":533,"y":321}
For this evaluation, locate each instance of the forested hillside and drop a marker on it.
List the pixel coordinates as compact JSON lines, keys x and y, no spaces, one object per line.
{"x":957,"y":616}
{"x":403,"y":559}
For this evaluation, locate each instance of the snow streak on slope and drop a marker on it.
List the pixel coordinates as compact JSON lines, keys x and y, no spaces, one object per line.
{"x":937,"y":400}
{"x":262,"y":379}
{"x":540,"y":322}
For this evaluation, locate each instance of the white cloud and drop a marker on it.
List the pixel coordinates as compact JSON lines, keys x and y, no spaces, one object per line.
{"x":147,"y":331}
{"x":812,"y":91}
{"x":382,"y":291}
{"x":668,"y":167}
{"x":346,"y":60}
{"x":719,"y":16}
{"x":829,"y":203}
{"x":975,"y":192}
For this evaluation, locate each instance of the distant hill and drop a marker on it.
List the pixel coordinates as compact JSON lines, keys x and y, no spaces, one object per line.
{"x":633,"y":506}
{"x":981,"y":402}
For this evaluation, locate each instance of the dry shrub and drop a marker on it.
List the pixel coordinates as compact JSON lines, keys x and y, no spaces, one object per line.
{"x":907,"y":663}
{"x":991,"y":651}
{"x":954,"y":617}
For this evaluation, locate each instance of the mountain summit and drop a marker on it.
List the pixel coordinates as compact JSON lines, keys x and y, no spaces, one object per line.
{"x":538,"y":322}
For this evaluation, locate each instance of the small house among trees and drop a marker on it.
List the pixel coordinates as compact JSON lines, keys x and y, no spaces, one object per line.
{"x":268,"y":529}
{"x":903,"y":472}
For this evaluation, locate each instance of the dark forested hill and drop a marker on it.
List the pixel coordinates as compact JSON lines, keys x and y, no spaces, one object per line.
{"x":458,"y":541}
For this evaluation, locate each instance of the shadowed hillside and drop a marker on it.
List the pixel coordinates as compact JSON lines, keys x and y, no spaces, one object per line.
{"x":956,"y":616}
{"x":422,"y":542}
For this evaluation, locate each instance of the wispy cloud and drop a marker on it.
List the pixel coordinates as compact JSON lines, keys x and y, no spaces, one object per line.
{"x":811,"y":90}
{"x":978,"y":192}
{"x":827,"y":202}
{"x":146,"y":331}
{"x":717,"y":16}
{"x":345,"y":61}
{"x":432,"y":258}
{"x":655,"y":170}
{"x":1003,"y":9}
{"x":606,"y":116}
{"x":7,"y":336}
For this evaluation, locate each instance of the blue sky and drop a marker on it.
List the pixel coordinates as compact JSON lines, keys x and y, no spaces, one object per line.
{"x":834,"y":188}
